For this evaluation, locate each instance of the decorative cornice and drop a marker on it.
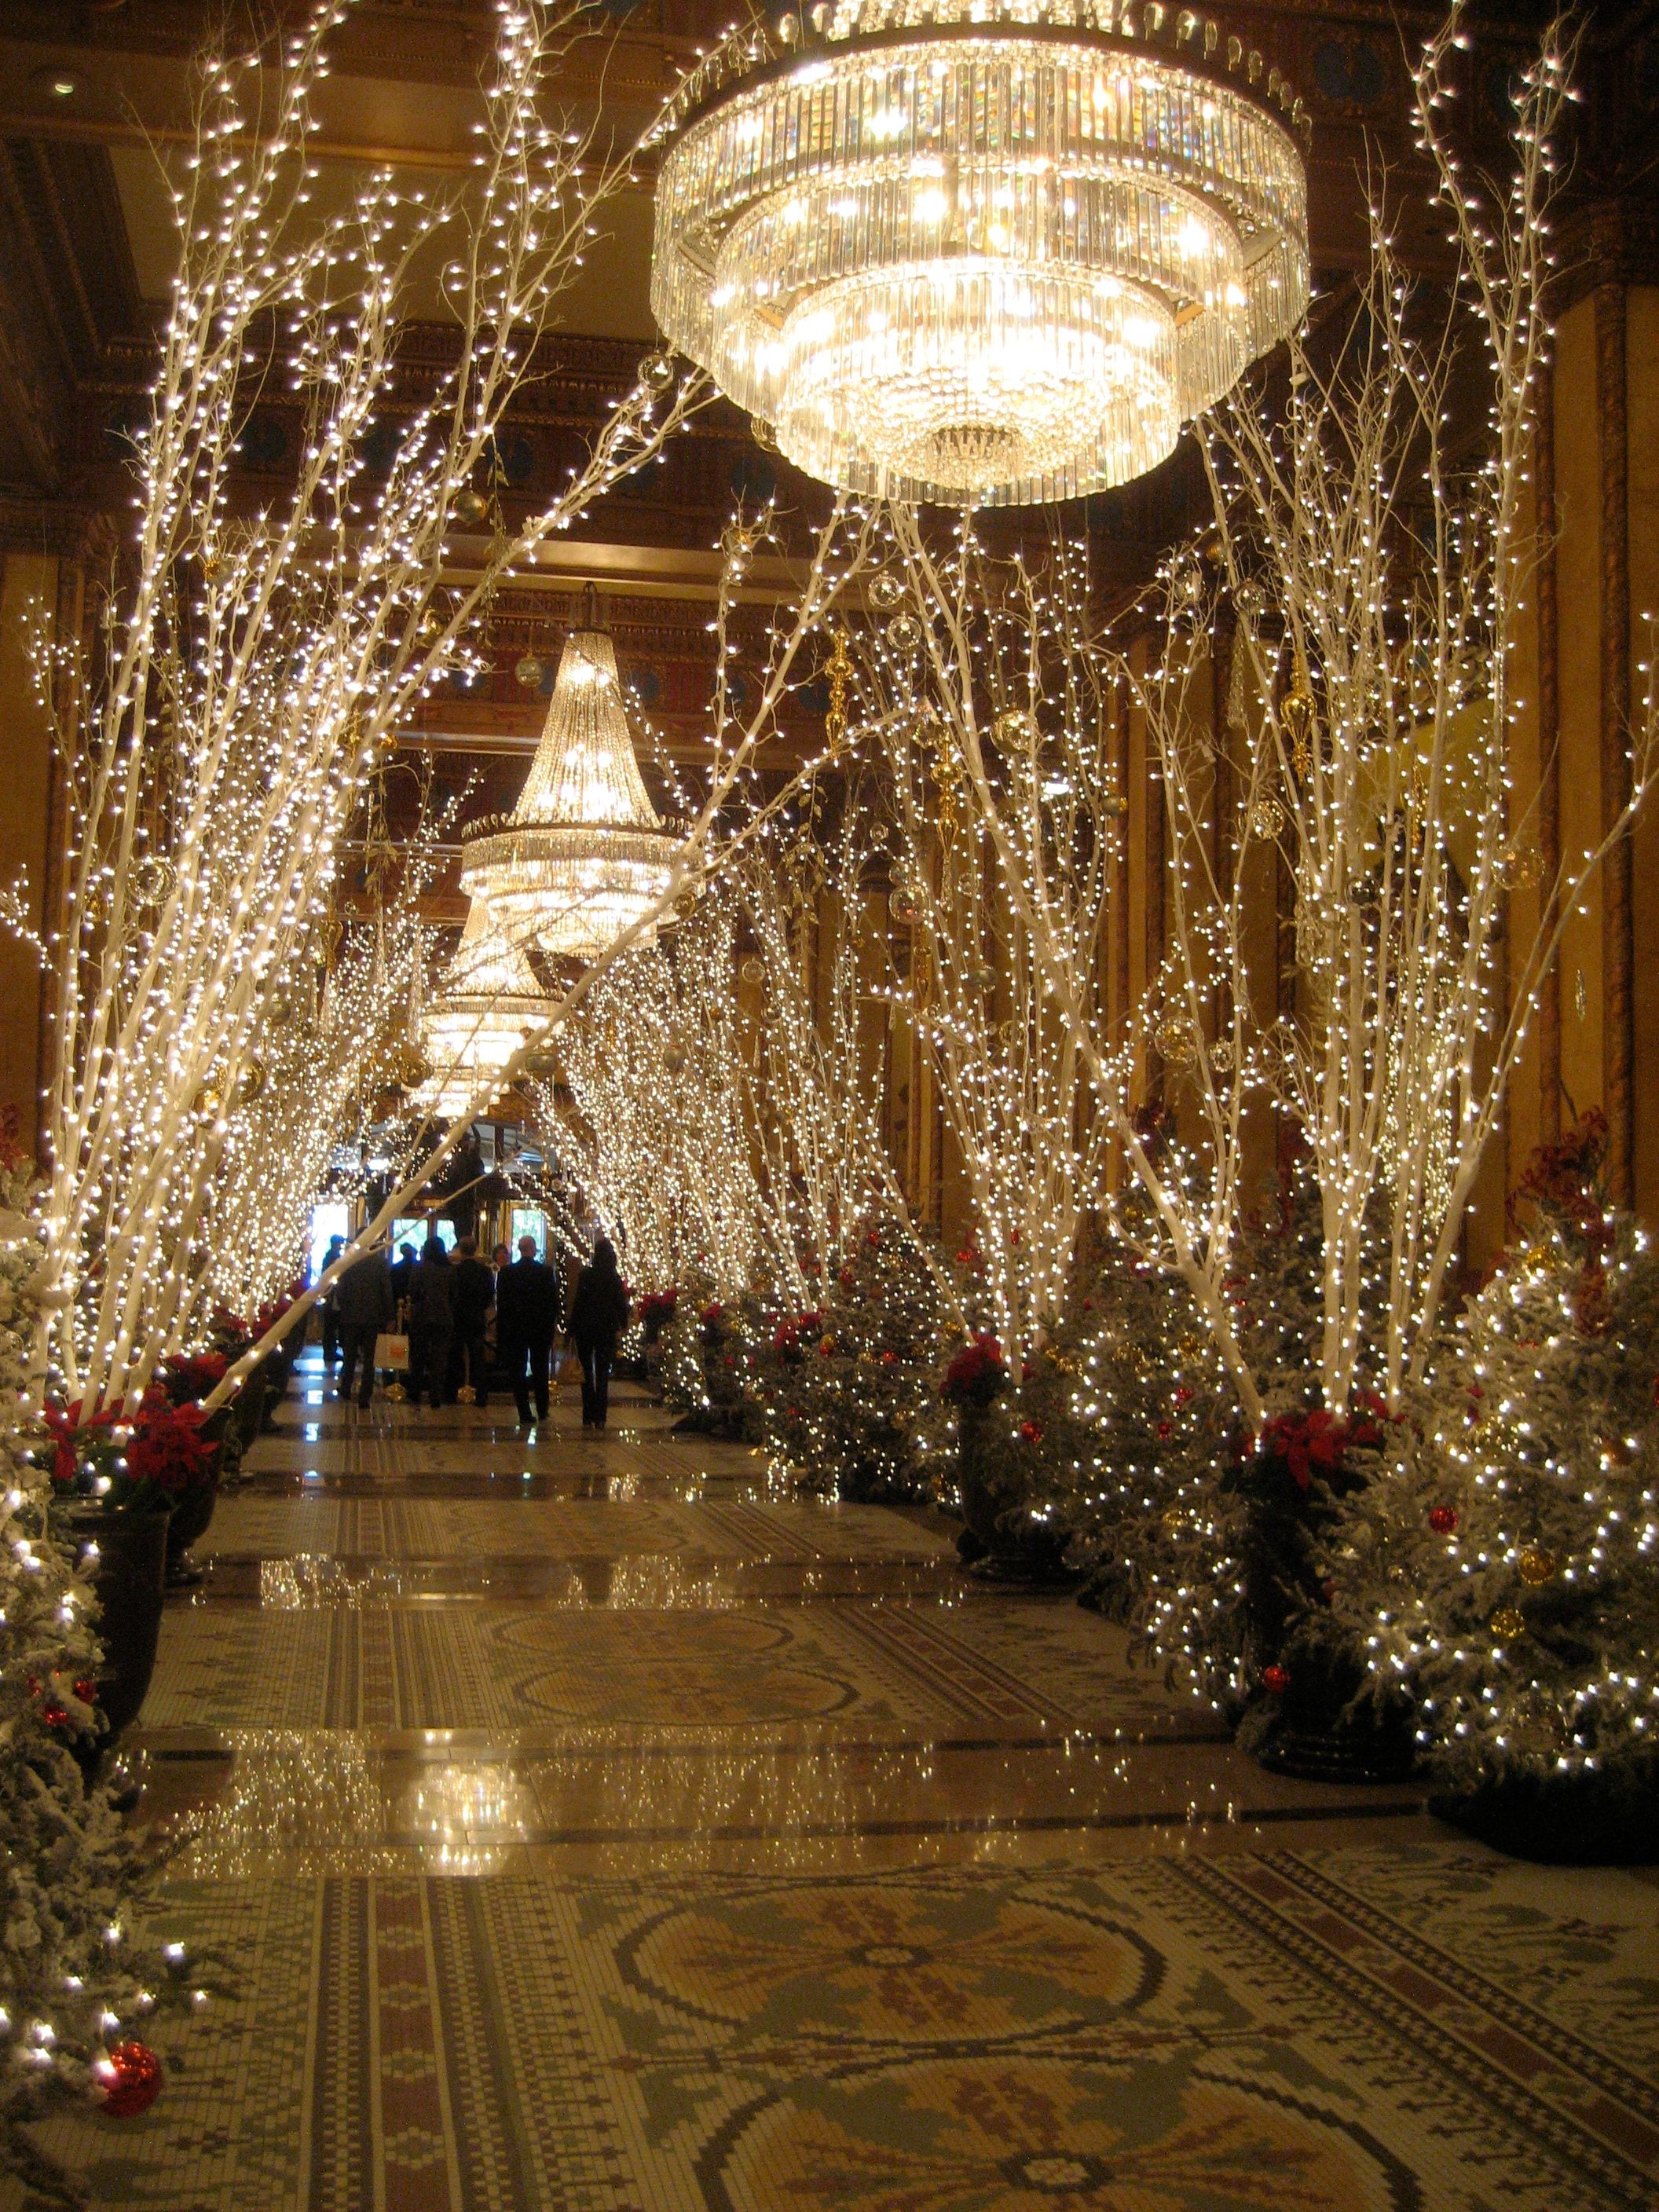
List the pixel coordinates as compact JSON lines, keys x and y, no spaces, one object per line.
{"x":65,"y":529}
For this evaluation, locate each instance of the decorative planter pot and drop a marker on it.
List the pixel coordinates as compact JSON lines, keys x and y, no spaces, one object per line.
{"x":1602,"y":1816}
{"x":188,"y":1522}
{"x":980,"y":1503}
{"x":132,"y":1549}
{"x":1320,"y":1731}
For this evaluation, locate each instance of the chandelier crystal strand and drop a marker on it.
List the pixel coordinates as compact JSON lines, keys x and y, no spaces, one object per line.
{"x":489,"y":1005}
{"x":583,"y":854}
{"x":987,"y":260}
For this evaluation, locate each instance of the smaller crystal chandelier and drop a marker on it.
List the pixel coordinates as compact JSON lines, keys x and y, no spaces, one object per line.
{"x":584,"y":855}
{"x":489,"y":1006}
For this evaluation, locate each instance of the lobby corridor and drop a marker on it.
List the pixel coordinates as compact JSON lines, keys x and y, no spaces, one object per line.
{"x":593,"y":1827}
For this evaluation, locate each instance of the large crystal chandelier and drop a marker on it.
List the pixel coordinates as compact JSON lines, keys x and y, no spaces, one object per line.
{"x":488,"y":1007}
{"x":584,"y":855}
{"x":982,"y":252}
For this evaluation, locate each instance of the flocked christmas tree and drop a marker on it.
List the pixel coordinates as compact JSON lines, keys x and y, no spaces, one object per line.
{"x":1508,"y":1574}
{"x":76,"y":1982}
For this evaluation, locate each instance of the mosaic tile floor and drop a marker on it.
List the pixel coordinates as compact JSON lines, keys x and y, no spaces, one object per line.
{"x":592,"y":1830}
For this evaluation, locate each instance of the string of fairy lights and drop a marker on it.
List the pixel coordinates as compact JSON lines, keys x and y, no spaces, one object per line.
{"x":1325,"y":685}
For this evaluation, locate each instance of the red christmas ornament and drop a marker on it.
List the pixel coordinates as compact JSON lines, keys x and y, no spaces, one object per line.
{"x":1276,"y":1678}
{"x":1443,"y":1519}
{"x":1032,"y":1432}
{"x":87,"y":1691}
{"x":133,"y":2073}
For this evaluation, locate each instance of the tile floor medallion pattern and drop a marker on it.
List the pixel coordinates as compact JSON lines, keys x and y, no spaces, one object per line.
{"x":650,"y":1842}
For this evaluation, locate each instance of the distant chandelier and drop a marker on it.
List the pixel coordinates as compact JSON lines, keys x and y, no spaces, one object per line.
{"x":982,"y":252}
{"x":584,"y":855}
{"x":488,"y":1007}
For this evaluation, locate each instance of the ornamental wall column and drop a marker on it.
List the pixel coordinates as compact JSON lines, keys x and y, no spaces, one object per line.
{"x":43,"y":568}
{"x":1596,"y":488}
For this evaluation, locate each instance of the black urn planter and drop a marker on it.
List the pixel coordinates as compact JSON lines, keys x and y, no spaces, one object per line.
{"x":130,"y":1581}
{"x":188,"y":1521}
{"x":1319,"y":1729}
{"x":981,"y":1505}
{"x":1601,"y":1816}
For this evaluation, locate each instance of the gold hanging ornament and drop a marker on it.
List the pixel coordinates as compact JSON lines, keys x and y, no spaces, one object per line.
{"x":886,"y":590}
{"x":250,"y":1083}
{"x":1267,"y":819}
{"x":1174,"y":1039}
{"x":839,"y":671}
{"x":153,"y":879}
{"x":1507,"y":1622}
{"x":1519,"y":867}
{"x":1016,"y":733}
{"x":1537,"y":1567}
{"x":1296,"y":713}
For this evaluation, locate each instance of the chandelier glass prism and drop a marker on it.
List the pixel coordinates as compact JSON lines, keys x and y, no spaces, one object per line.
{"x":584,"y":855}
{"x":489,"y":1005}
{"x":981,"y":252}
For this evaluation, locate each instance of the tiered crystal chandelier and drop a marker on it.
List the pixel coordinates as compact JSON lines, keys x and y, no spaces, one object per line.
{"x":488,"y":1007}
{"x":982,"y":252}
{"x":584,"y":855}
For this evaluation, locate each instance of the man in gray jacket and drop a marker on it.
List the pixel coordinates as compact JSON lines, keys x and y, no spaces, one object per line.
{"x":363,"y":1306}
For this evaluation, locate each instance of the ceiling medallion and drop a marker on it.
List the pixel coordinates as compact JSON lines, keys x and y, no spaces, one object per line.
{"x":981,"y":252}
{"x":584,"y":855}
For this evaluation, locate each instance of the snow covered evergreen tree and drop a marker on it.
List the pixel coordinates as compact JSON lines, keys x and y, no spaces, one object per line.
{"x":1508,"y":1572}
{"x":76,"y":1981}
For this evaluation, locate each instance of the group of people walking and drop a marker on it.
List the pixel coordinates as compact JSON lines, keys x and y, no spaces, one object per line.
{"x":447,"y":1304}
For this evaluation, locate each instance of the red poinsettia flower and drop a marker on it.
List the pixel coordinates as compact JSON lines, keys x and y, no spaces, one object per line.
{"x":977,"y":1374}
{"x":75,"y":1432}
{"x":1306,"y":1442}
{"x":791,"y":1338}
{"x":189,"y":1376}
{"x":166,"y":1447}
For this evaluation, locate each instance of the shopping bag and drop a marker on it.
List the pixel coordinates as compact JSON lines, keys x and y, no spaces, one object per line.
{"x":391,"y":1351}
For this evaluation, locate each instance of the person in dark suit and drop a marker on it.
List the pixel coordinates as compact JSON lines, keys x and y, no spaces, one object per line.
{"x":403,"y":1274}
{"x":474,"y":1295}
{"x":363,"y":1306}
{"x":330,"y":1306}
{"x":599,"y":1315}
{"x":431,"y":1323}
{"x":526,"y":1323}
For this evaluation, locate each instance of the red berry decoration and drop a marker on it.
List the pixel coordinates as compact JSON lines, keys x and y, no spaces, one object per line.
{"x":1444,"y":1520}
{"x":1276,"y":1678}
{"x":87,"y":1690}
{"x":133,"y":2073}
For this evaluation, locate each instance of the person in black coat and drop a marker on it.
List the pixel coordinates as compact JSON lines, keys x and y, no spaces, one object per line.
{"x":526,"y":1323}
{"x":403,"y":1274}
{"x":363,"y":1306}
{"x":431,"y":1323}
{"x":475,"y":1296}
{"x":330,"y":1310}
{"x":599,"y":1315}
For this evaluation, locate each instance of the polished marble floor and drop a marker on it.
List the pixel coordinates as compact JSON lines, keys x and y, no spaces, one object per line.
{"x":594,"y":1827}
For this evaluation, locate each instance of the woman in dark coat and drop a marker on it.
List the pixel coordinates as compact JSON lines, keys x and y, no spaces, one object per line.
{"x":599,"y":1315}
